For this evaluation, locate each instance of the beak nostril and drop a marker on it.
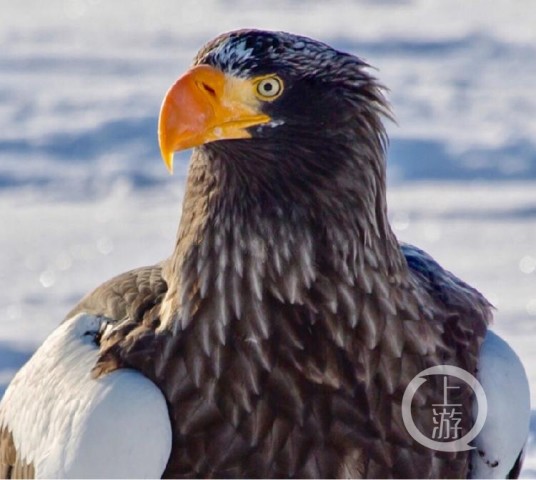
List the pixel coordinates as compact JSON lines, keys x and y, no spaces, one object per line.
{"x":207,"y":88}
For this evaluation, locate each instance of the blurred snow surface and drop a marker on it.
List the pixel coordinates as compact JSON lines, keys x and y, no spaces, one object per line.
{"x":84,"y":196}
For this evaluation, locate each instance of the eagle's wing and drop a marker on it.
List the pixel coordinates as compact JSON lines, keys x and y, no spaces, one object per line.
{"x":500,"y":444}
{"x":57,"y":420}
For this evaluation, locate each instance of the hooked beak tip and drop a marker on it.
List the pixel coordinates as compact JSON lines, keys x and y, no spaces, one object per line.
{"x":167,"y":156}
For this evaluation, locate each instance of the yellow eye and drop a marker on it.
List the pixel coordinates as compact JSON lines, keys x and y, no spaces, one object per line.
{"x":269,"y":88}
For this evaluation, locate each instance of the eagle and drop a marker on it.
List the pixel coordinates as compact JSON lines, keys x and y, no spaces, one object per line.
{"x":280,"y":337}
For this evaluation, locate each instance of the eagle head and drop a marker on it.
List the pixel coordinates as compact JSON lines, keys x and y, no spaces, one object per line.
{"x":276,"y":93}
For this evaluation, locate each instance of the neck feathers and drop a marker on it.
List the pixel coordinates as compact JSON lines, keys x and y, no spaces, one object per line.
{"x":238,"y":256}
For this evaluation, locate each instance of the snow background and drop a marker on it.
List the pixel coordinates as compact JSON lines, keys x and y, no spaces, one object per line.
{"x":84,"y":195}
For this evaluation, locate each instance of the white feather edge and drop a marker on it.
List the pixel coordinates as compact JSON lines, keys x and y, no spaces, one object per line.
{"x":505,"y":432}
{"x":69,"y":425}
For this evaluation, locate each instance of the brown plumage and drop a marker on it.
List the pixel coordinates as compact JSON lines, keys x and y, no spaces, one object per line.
{"x":288,"y":320}
{"x":11,"y":465}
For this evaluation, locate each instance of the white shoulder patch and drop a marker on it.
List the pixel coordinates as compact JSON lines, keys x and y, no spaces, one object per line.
{"x":505,"y":432}
{"x":68,"y":424}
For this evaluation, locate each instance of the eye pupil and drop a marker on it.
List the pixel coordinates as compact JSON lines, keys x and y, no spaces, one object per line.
{"x":269,"y":88}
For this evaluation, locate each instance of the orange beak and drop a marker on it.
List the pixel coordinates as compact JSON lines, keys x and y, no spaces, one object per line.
{"x":206,"y":105}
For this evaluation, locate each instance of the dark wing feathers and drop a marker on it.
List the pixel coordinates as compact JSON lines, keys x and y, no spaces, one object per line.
{"x":127,"y":296}
{"x":442,"y":285}
{"x":469,"y":312}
